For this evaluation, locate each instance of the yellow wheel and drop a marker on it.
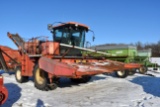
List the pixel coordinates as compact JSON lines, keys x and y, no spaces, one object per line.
{"x":40,"y":76}
{"x":142,"y":70}
{"x":19,"y":77}
{"x":41,"y":80}
{"x":122,"y":74}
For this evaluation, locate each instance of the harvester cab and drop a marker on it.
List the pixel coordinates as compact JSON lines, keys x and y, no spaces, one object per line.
{"x":70,"y":33}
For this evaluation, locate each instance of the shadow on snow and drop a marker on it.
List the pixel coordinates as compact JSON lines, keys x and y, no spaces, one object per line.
{"x":66,"y":82}
{"x":40,"y":103}
{"x":14,"y":94}
{"x":151,"y":85}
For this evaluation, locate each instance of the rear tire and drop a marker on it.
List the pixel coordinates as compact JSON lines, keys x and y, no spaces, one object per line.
{"x":122,"y":74}
{"x":142,"y":70}
{"x":84,"y":79}
{"x":19,"y":77}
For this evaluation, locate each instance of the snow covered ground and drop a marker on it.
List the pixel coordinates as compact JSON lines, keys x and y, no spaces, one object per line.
{"x":101,"y":91}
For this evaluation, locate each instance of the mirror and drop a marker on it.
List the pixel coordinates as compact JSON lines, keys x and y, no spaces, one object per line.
{"x":93,"y":38}
{"x":49,"y":26}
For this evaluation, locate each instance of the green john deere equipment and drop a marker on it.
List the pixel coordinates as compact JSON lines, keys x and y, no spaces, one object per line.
{"x":127,"y":54}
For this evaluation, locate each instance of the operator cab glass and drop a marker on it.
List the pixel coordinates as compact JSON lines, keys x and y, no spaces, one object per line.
{"x":70,"y":34}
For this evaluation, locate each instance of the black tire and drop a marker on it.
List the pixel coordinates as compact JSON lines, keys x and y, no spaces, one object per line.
{"x":41,"y":80}
{"x":143,"y":70}
{"x":122,"y":74}
{"x":132,"y":71}
{"x":84,"y":79}
{"x":155,"y":68}
{"x":19,"y":77}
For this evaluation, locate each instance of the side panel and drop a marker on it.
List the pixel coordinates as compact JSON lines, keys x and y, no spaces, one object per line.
{"x":57,"y":68}
{"x":27,"y":66}
{"x":123,"y":54}
{"x":119,"y":52}
{"x":50,"y":48}
{"x":11,"y":57}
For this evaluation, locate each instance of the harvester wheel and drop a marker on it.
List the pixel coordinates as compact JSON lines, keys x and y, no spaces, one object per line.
{"x":143,"y":70}
{"x":84,"y":79}
{"x":122,"y":74}
{"x":19,"y":77}
{"x":132,"y":71}
{"x":41,"y":79}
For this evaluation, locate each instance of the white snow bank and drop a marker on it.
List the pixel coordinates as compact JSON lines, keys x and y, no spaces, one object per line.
{"x":102,"y":91}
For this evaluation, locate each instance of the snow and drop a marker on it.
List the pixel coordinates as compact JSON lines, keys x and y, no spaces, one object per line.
{"x":101,"y":91}
{"x":155,"y":60}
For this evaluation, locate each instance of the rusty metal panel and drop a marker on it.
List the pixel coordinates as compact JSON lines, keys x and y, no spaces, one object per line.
{"x":97,"y":67}
{"x":27,"y":66}
{"x":50,"y":48}
{"x":55,"y":67}
{"x":10,"y":56}
{"x":31,"y":46}
{"x":132,"y":65}
{"x":72,"y":69}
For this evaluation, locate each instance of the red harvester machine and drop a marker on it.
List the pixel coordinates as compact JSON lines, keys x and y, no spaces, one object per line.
{"x":6,"y":62}
{"x":9,"y":59}
{"x":47,"y":61}
{"x":3,"y":91}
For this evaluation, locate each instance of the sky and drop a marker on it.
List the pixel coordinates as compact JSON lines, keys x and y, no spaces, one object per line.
{"x":113,"y":21}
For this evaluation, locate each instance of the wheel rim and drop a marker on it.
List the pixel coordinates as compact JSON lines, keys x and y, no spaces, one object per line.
{"x":18,"y":74}
{"x":40,"y":76}
{"x":142,"y":69}
{"x":120,"y":73}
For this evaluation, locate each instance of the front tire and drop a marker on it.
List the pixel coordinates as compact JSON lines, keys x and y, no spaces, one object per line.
{"x":41,"y":80}
{"x":19,"y":77}
{"x":122,"y":74}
